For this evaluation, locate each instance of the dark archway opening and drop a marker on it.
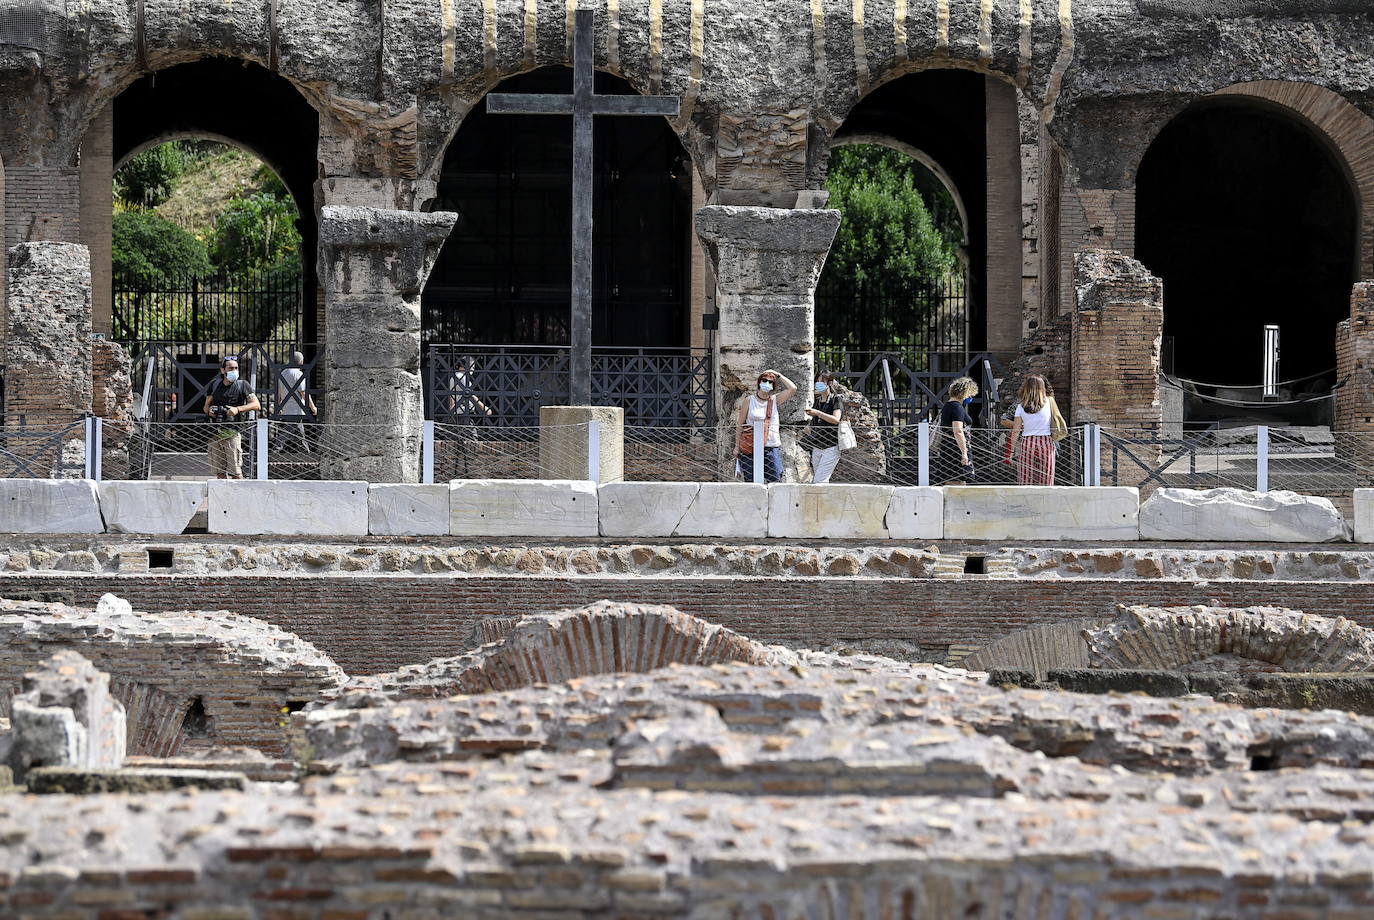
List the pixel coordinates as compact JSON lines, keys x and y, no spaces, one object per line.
{"x":1250,"y":219}
{"x":943,"y":114}
{"x":504,"y":275}
{"x":243,"y":104}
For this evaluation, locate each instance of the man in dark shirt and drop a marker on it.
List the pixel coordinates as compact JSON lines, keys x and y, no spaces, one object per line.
{"x":229,"y":399}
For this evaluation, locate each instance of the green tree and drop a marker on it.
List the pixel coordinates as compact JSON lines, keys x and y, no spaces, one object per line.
{"x":154,"y":250}
{"x":147,"y":180}
{"x":256,"y":232}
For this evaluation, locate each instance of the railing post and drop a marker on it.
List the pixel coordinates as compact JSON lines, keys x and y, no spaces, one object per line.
{"x":758,"y":451}
{"x":1262,"y":458}
{"x":427,"y":453}
{"x":260,"y":449}
{"x":88,"y":434}
{"x":923,"y":454}
{"x":594,"y":450}
{"x":1092,"y":455}
{"x":98,"y":454}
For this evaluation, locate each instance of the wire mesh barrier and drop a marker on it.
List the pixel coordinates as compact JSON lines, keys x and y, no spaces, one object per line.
{"x":509,"y":452}
{"x":44,"y":453}
{"x":182,"y":450}
{"x":172,"y":380}
{"x":680,"y":454}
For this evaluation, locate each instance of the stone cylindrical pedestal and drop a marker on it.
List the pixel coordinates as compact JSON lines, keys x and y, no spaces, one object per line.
{"x":565,"y":443}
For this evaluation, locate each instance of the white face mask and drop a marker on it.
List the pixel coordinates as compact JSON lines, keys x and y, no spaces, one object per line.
{"x":231,"y":376}
{"x":765,"y":387}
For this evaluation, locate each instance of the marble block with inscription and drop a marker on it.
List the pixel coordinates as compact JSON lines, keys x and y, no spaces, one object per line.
{"x":49,"y":506}
{"x":727,"y":509}
{"x":152,"y":507}
{"x":523,"y":508}
{"x":1042,"y":513}
{"x":645,"y":509}
{"x":247,"y":506}
{"x":834,"y":512}
{"x":916,"y":513}
{"x":1364,"y":515}
{"x":402,"y":510}
{"x":1239,"y":516}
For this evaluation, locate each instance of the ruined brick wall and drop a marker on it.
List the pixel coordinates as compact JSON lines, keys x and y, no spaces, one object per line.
{"x":1355,"y":363}
{"x":380,"y":623}
{"x":1118,"y":323}
{"x":48,"y":335}
{"x":112,"y":399}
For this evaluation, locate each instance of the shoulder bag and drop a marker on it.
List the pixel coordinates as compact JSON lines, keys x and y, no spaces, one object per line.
{"x":1058,"y":427}
{"x":746,"y":434}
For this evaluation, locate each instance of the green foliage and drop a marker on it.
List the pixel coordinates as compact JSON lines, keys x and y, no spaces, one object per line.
{"x":152,"y":248}
{"x":148,"y":179}
{"x":887,"y":236}
{"x":256,"y":232}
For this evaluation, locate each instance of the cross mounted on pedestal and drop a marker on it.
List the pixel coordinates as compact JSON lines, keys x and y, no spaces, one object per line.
{"x":582,"y":105}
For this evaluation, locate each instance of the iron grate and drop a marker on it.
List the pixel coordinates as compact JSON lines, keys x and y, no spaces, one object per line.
{"x":25,"y":25}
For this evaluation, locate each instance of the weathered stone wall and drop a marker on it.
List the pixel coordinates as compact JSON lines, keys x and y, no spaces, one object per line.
{"x":186,"y":680}
{"x":48,"y":335}
{"x":1117,"y":326}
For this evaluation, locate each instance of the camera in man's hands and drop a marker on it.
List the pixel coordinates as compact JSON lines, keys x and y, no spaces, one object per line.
{"x":219,"y":413}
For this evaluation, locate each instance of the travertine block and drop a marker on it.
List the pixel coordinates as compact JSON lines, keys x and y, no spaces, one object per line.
{"x":564,"y":442}
{"x":1235,"y":515}
{"x":152,"y":507}
{"x":1041,"y":513}
{"x":916,"y":513}
{"x":836,"y":512}
{"x":727,"y":509}
{"x":645,"y":509}
{"x":523,"y":508}
{"x":1364,"y":515}
{"x":395,"y":510}
{"x":49,"y":506}
{"x":250,"y":507}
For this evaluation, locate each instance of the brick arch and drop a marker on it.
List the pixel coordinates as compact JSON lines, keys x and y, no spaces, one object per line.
{"x":1348,"y":131}
{"x":1210,"y":639}
{"x":602,"y":638}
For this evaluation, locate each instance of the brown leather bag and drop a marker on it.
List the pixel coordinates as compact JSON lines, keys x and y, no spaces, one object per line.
{"x":746,"y":433}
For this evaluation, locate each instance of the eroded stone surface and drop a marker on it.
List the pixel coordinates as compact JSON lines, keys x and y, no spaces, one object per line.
{"x":916,"y":513}
{"x":288,"y":508}
{"x":502,"y":508}
{"x":49,"y":506}
{"x":727,"y":510}
{"x":407,"y":510}
{"x":646,"y":509}
{"x":1041,"y":513}
{"x":65,"y":716}
{"x":155,"y":507}
{"x":1221,"y":515}
{"x":834,"y":511}
{"x":1364,"y":515}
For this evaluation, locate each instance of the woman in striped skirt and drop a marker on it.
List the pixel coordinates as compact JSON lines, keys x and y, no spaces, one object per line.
{"x":1031,"y":431}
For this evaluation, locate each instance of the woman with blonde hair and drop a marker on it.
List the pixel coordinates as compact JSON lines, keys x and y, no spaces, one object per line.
{"x":1032,"y":430}
{"x":954,"y":466}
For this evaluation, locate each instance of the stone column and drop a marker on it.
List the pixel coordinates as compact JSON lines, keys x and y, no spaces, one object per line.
{"x":48,"y":349}
{"x":1118,"y":325}
{"x":1354,"y":409}
{"x":767,"y":262}
{"x":374,"y":264}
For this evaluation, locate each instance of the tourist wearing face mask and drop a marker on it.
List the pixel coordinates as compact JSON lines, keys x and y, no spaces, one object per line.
{"x":823,"y":435}
{"x":773,"y":389}
{"x":229,"y":400}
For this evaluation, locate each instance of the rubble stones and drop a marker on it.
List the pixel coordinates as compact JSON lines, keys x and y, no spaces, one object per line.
{"x":65,"y":716}
{"x":1222,"y":515}
{"x":1192,"y":639}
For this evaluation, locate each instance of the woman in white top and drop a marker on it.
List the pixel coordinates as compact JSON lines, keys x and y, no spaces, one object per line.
{"x":1033,"y":429}
{"x":762,"y":406}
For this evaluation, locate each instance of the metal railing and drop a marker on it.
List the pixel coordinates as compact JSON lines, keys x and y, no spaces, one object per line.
{"x":260,"y":306}
{"x":507,"y":385}
{"x":173,"y":379}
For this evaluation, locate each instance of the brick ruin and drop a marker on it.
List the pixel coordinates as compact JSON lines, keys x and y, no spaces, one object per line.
{"x":770,"y":783}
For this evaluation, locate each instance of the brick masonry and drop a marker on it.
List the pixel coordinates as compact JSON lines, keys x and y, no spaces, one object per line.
{"x":48,"y":335}
{"x":376,"y":623}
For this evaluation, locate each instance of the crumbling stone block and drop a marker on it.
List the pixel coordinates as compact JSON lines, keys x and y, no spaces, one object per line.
{"x":65,"y":716}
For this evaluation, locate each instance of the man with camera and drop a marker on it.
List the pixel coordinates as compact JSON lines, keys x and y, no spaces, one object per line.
{"x":229,"y":398}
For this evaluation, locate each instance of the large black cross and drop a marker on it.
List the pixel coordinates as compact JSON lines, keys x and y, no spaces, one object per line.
{"x":582,"y":105}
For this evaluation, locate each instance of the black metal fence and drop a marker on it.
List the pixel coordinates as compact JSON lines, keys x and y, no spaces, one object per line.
{"x":905,"y":387}
{"x":507,"y":385}
{"x":921,"y":318}
{"x":265,"y":306}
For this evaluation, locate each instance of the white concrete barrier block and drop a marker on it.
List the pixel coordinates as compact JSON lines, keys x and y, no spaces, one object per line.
{"x":1042,"y":513}
{"x":49,"y":506}
{"x":644,"y":509}
{"x":916,"y":513}
{"x":835,"y":512}
{"x":1364,"y":515}
{"x":523,"y":508}
{"x":152,"y":507}
{"x":250,"y":507}
{"x":403,"y":510}
{"x":727,"y":509}
{"x":1239,"y":516}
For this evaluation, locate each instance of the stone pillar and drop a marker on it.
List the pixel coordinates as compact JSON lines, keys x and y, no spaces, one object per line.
{"x":48,"y":335}
{"x":374,"y":264}
{"x":97,"y":205}
{"x":1118,"y":325}
{"x":1354,"y":408}
{"x":565,"y":443}
{"x":1004,"y":218}
{"x":767,"y":262}
{"x":64,"y":716}
{"x":113,"y":400}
